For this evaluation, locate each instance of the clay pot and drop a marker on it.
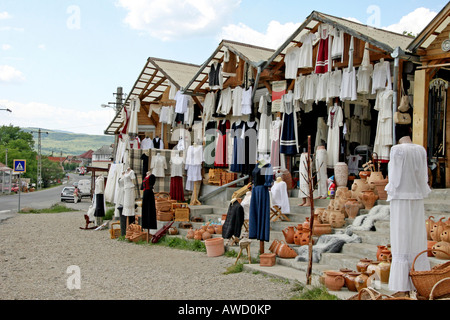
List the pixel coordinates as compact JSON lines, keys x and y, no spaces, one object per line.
{"x":350,"y":280}
{"x":364,"y":175}
{"x":206,"y":235}
{"x":334,"y":280}
{"x":344,"y":273}
{"x":362,"y":265}
{"x":198,"y":234}
{"x":445,"y":235}
{"x":289,"y":233}
{"x":373,"y":267}
{"x":359,"y":186}
{"x":379,"y":189}
{"x":306,"y":234}
{"x":437,"y":230}
{"x":218,"y":228}
{"x":211,"y":229}
{"x":319,"y":212}
{"x":320,"y":229}
{"x":190,"y":234}
{"x":341,"y":174}
{"x":385,"y":253}
{"x":384,"y":269}
{"x":173,"y":231}
{"x":430,"y":244}
{"x":325,"y":216}
{"x":380,"y":248}
{"x":298,"y":235}
{"x":285,"y":251}
{"x":361,"y":281}
{"x":368,"y":198}
{"x":442,"y":246}
{"x":352,"y":208}
{"x":306,"y":224}
{"x":375,"y":176}
{"x":273,"y":245}
{"x":429,"y":223}
{"x":204,"y":227}
{"x":337,"y":219}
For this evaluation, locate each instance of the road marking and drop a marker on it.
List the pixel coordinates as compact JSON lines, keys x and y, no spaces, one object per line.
{"x":5,"y":211}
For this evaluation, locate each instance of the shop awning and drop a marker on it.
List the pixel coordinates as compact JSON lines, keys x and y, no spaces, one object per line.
{"x":253,"y":55}
{"x":156,"y":76}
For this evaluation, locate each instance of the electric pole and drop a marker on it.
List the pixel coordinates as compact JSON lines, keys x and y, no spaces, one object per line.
{"x":39,"y":166}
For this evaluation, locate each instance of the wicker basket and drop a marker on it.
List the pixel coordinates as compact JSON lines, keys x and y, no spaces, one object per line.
{"x":181,"y":211}
{"x":444,"y":297}
{"x":372,"y":294}
{"x":164,"y":216}
{"x":115,"y":233}
{"x":424,"y":281}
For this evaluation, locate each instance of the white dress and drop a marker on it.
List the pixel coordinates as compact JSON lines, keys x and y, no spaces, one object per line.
{"x":337,"y":46}
{"x":303,"y":176}
{"x":321,"y":168}
{"x":237,"y":101}
{"x":364,"y":76}
{"x":310,"y":88}
{"x":225,"y":101}
{"x":407,"y":187}
{"x":334,"y":122}
{"x":265,"y":123}
{"x":135,"y":108}
{"x":334,"y":84}
{"x":306,"y":53}
{"x":322,"y":87}
{"x":348,"y":85}
{"x":247,"y":101}
{"x":208,"y":107}
{"x":291,"y":61}
{"x":384,"y":135}
{"x":280,"y":196}
{"x":158,"y":166}
{"x":381,"y":78}
{"x":194,"y":160}
{"x":129,"y":196}
{"x":176,"y":166}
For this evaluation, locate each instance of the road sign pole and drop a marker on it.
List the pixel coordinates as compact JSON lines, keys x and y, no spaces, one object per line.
{"x":20,"y":187}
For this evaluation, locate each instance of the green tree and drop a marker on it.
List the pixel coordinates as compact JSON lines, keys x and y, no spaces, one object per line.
{"x":51,"y":171}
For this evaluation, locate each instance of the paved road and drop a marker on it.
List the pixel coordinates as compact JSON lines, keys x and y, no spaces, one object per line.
{"x":9,"y":204}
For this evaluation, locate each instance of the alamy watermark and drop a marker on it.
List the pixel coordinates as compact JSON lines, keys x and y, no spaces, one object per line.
{"x":73,"y":22}
{"x":74,"y":280}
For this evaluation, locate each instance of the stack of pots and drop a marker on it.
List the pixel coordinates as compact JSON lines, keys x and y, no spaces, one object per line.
{"x":282,"y":249}
{"x":438,"y":235}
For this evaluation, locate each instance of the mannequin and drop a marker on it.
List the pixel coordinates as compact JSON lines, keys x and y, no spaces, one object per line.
{"x":176,"y":180}
{"x":148,"y":204}
{"x":321,"y":168}
{"x":100,"y":207}
{"x":304,"y":181}
{"x":158,"y":143}
{"x":129,"y":197}
{"x":275,"y":134}
{"x":194,"y":160}
{"x":158,"y":165}
{"x":407,"y":187}
{"x":280,"y":195}
{"x":147,"y":143}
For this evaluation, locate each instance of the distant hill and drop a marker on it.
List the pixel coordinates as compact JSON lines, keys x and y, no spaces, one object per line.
{"x":68,"y":143}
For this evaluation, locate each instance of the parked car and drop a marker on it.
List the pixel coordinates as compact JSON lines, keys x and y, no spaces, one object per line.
{"x":67,"y":194}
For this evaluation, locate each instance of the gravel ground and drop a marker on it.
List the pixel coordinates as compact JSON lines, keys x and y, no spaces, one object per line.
{"x":36,"y":251}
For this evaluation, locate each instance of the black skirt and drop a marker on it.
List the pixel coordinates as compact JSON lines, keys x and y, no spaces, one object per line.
{"x":99,"y":206}
{"x":149,"y":210}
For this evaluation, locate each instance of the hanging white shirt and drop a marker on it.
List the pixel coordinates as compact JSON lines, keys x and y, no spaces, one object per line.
{"x":158,"y":166}
{"x":280,"y":196}
{"x":147,"y":144}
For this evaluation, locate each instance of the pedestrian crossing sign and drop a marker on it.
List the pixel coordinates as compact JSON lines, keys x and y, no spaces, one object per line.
{"x":20,"y":166}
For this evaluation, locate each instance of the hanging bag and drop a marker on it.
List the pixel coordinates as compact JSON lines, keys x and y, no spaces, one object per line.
{"x":402,"y":118}
{"x":404,"y":101}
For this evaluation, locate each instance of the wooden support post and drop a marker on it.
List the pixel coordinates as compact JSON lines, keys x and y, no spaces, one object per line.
{"x":311,"y":220}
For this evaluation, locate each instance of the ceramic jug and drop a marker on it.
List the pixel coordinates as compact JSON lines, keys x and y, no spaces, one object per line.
{"x":289,"y":233}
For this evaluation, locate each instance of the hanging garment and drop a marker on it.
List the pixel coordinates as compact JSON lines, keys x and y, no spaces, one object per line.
{"x":353,"y":163}
{"x":291,"y":61}
{"x":275,"y":136}
{"x":321,"y":168}
{"x":147,"y":144}
{"x":337,"y":46}
{"x":250,"y":137}
{"x":288,"y":142}
{"x":215,"y":78}
{"x":237,"y":134}
{"x":304,"y":176}
{"x":306,"y":50}
{"x":182,"y":101}
{"x":148,"y":203}
{"x":237,"y":101}
{"x":365,"y":72}
{"x":176,"y":166}
{"x":381,"y":77}
{"x":280,"y":196}
{"x":264,"y":124}
{"x":234,"y":221}
{"x":158,"y":143}
{"x":247,"y":101}
{"x":129,"y":193}
{"x":348,"y":85}
{"x":259,"y":216}
{"x":334,"y":84}
{"x":245,"y":203}
{"x":334,"y":122}
{"x":145,"y":167}
{"x":208,"y":107}
{"x":194,"y":160}
{"x":221,"y":147}
{"x":322,"y":87}
{"x":229,"y":63}
{"x":210,"y":144}
{"x":119,"y":193}
{"x":407,"y":187}
{"x":310,"y":88}
{"x":299,"y":88}
{"x":324,"y":52}
{"x":111,"y":182}
{"x":354,"y":130}
{"x":384,"y":134}
{"x":135,"y":108}
{"x":158,"y":166}
{"x":225,"y":102}
{"x":322,"y":132}
{"x":99,"y":190}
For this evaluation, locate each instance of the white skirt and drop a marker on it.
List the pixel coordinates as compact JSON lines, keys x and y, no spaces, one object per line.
{"x":408,"y":238}
{"x":129,"y":202}
{"x":194,"y":173}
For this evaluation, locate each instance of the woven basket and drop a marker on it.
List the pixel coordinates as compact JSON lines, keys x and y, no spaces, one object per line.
{"x":424,"y":281}
{"x":445,"y":297}
{"x":372,"y":294}
{"x":115,"y":233}
{"x":164,"y":216}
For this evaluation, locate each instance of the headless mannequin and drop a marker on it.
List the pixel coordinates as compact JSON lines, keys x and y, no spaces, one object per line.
{"x":306,"y":202}
{"x":196,"y":191}
{"x":320,"y":148}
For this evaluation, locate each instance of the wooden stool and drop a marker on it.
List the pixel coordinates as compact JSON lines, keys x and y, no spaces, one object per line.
{"x":244,"y":244}
{"x":245,"y":225}
{"x":277,"y":214}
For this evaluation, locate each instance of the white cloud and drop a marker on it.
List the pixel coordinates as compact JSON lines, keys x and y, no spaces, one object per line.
{"x":275,"y":35}
{"x":4,"y":15}
{"x":42,"y":46}
{"x":6,"y":47}
{"x":175,"y":19}
{"x":36,"y":114}
{"x":413,"y":22}
{"x":9,"y":74}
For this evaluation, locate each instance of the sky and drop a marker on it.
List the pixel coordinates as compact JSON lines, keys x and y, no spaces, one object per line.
{"x":61,"y":60}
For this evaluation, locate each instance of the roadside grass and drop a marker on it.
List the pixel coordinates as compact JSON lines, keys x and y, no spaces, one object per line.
{"x":56,"y":208}
{"x":318,"y":292}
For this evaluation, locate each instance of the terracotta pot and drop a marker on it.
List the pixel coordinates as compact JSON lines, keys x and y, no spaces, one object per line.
{"x":320,"y":229}
{"x":198,"y":234}
{"x":344,"y":273}
{"x":368,"y":198}
{"x":215,"y":247}
{"x":298,"y":235}
{"x":319,"y":212}
{"x":385,"y":253}
{"x":361,"y":281}
{"x":429,"y":223}
{"x":384,"y":269}
{"x":373,"y":267}
{"x":337,"y":219}
{"x":359,"y":186}
{"x":352,"y":208}
{"x":204,"y":227}
{"x":350,"y":280}
{"x":173,"y":231}
{"x":442,"y":246}
{"x":430,"y":244}
{"x":218,"y":228}
{"x":273,"y":246}
{"x":380,"y":248}
{"x":341,"y":174}
{"x":211,"y":229}
{"x":325,"y":216}
{"x":306,"y":234}
{"x":190,"y":234}
{"x":286,"y":252}
{"x":364,"y":175}
{"x":445,"y":235}
{"x":375,"y":176}
{"x":289,"y":233}
{"x":334,"y":280}
{"x":379,"y":189}
{"x":306,"y":224}
{"x":437,"y":230}
{"x":362,"y":265}
{"x":206,"y":235}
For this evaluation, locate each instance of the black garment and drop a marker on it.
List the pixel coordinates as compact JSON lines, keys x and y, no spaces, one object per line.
{"x":214,"y":74}
{"x":144,"y":159}
{"x":148,"y":204}
{"x":234,"y":221}
{"x":157,"y":143}
{"x":123,"y":222}
{"x":251,"y":143}
{"x":99,"y":206}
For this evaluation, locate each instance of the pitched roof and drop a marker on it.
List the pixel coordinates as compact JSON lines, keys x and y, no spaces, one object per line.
{"x":106,"y":149}
{"x":86,"y":155}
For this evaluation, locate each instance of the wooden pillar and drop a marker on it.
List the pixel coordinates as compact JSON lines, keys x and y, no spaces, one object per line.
{"x":420,"y":115}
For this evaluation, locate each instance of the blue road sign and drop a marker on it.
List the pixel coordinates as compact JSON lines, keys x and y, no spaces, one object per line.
{"x":20,"y":166}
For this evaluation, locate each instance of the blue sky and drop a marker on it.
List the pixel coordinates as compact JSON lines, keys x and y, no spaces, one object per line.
{"x":60,"y":60}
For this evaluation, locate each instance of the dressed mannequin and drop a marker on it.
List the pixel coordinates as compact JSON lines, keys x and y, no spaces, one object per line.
{"x":275,"y":135}
{"x":304,"y":181}
{"x":100,"y":207}
{"x":158,"y":143}
{"x":407,"y":187}
{"x":194,"y":160}
{"x":321,"y":168}
{"x":129,"y":196}
{"x":176,"y":180}
{"x":148,"y":204}
{"x":280,"y":195}
{"x":158,"y":165}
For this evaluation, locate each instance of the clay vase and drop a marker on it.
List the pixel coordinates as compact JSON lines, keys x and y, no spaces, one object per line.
{"x":368,"y":198}
{"x":350,"y":280}
{"x":289,"y":234}
{"x":334,"y":280}
{"x":298,"y":235}
{"x":359,"y":186}
{"x":204,"y":227}
{"x":375,"y":176}
{"x":364,"y":175}
{"x":286,"y":252}
{"x":274,"y":246}
{"x":337,"y":219}
{"x":304,"y":240}
{"x":322,"y":228}
{"x":218,"y":228}
{"x":190,"y":234}
{"x":430,"y":244}
{"x":429,"y":223}
{"x":341,"y":174}
{"x":437,"y":229}
{"x":380,"y":248}
{"x":352,"y":208}
{"x":384,"y":269}
{"x":325,"y":216}
{"x":445,"y":235}
{"x":319,"y":212}
{"x":206,"y":235}
{"x":344,"y":273}
{"x":362,"y":265}
{"x":211,"y":229}
{"x":306,"y":224}
{"x":442,"y":246}
{"x":198,"y":234}
{"x":385,"y":253}
{"x":361,"y":281}
{"x":373,"y":267}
